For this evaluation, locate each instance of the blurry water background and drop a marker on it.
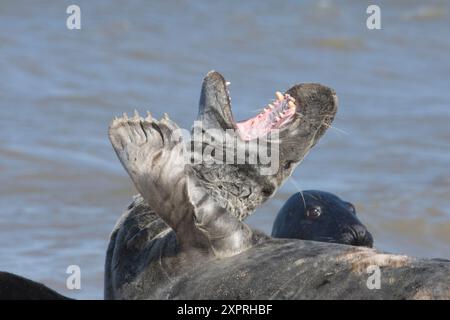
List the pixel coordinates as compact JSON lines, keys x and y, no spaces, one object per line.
{"x":62,"y":187}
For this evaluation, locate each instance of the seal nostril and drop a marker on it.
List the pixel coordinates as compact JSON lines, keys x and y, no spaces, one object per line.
{"x":360,"y":236}
{"x":362,"y":242}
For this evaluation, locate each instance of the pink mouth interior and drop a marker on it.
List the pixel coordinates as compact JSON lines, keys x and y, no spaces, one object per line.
{"x":274,"y":116}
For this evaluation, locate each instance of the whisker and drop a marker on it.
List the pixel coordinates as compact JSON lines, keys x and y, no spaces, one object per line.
{"x":314,"y":197}
{"x":337,"y":129}
{"x":256,"y":110}
{"x":291,"y":180}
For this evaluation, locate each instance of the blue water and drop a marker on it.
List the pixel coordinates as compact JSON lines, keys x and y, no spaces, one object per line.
{"x":62,"y":187}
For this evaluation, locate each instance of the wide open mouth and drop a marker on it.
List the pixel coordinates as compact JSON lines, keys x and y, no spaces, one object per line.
{"x":302,"y":115}
{"x":275,"y":115}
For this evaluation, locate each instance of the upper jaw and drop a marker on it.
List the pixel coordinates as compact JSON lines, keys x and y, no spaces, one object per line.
{"x":318,"y":107}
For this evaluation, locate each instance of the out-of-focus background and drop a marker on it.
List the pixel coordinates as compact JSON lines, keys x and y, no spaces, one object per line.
{"x":62,"y":187}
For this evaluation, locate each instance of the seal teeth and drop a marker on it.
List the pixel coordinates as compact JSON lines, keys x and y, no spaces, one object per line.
{"x":149,"y":116}
{"x":136,"y":115}
{"x":291,"y":104}
{"x":269,"y":107}
{"x":279,"y":95}
{"x":166,"y":116}
{"x":227,"y":83}
{"x":125,"y":116}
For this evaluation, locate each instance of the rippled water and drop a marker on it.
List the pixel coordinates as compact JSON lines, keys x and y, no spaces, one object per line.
{"x":62,"y":188}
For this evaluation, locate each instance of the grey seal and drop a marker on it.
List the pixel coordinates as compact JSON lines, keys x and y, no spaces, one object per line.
{"x":185,"y":237}
{"x":320,"y":216}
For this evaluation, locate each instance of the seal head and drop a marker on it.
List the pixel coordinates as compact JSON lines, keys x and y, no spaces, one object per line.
{"x":320,"y":216}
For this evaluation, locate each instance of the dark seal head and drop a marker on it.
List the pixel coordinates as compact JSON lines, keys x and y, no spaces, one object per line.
{"x":320,"y":216}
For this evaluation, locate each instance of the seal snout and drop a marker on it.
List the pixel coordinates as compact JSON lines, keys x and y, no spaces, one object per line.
{"x":357,"y":235}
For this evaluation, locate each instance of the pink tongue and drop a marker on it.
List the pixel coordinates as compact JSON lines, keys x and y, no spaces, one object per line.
{"x":255,"y":127}
{"x":273,"y":116}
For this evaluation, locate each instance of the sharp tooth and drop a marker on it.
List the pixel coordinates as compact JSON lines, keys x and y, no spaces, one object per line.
{"x":136,"y":115}
{"x":291,"y":104}
{"x":149,"y":116}
{"x":227,"y":83}
{"x":269,"y":107}
{"x":279,"y":95}
{"x":166,"y":116}
{"x":125,"y":116}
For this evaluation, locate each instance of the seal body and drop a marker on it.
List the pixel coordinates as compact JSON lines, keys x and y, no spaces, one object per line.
{"x":14,"y":287}
{"x":320,"y":216}
{"x":144,"y":262}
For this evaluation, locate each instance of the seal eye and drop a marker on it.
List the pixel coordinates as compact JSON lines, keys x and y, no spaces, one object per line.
{"x":313,"y":212}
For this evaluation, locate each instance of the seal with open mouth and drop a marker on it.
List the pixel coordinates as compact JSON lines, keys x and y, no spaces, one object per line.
{"x":185,"y":237}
